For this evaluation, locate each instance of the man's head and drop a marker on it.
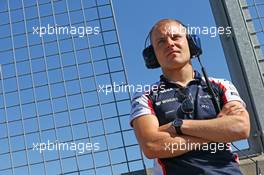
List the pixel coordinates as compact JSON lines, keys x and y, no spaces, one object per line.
{"x":168,"y":38}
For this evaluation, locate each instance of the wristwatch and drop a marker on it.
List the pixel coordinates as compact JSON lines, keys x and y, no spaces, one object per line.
{"x":177,"y":123}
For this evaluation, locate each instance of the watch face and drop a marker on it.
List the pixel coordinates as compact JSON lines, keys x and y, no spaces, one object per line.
{"x":177,"y":122}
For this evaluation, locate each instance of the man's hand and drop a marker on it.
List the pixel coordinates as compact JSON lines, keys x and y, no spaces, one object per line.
{"x":231,"y":109}
{"x":231,"y":124}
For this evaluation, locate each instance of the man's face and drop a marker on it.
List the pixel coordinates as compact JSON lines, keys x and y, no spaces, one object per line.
{"x":170,"y":45}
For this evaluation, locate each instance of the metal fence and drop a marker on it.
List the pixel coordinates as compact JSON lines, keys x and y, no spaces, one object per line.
{"x":58,"y":59}
{"x":253,"y":13}
{"x":244,"y":51}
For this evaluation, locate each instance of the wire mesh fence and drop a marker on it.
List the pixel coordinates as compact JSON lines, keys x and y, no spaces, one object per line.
{"x":244,"y":54}
{"x":253,"y":12}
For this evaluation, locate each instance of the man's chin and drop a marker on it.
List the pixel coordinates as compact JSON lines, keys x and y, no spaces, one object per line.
{"x":174,"y":66}
{"x":176,"y":63}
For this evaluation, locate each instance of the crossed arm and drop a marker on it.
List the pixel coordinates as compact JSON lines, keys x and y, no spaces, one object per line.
{"x":231,"y":124}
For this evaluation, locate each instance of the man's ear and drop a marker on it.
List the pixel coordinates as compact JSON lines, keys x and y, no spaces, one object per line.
{"x":150,"y":58}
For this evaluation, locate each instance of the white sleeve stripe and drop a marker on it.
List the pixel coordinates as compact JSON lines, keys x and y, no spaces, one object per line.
{"x":141,"y":105}
{"x":230,"y":91}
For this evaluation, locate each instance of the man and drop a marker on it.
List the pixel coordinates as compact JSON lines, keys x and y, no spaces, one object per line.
{"x":176,"y":124}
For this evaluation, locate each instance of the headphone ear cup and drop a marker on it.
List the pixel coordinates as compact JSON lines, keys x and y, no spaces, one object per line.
{"x":150,"y":59}
{"x":194,"y":45}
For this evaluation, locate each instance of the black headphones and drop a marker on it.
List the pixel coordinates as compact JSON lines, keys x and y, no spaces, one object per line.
{"x":150,"y":59}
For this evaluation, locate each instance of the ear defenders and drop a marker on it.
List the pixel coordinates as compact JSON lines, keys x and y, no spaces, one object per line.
{"x":150,"y":58}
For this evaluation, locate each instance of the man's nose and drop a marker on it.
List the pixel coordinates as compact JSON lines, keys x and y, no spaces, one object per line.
{"x":170,"y":42}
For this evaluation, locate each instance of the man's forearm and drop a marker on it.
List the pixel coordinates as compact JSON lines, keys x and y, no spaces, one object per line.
{"x":172,"y":147}
{"x":231,"y":124}
{"x":222,"y":129}
{"x":163,"y":143}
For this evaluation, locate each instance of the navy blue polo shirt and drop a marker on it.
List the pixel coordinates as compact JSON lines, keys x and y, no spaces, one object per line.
{"x":165,"y":100}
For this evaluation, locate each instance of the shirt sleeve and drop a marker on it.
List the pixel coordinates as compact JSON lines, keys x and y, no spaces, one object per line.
{"x":230,"y":92}
{"x":141,"y":105}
